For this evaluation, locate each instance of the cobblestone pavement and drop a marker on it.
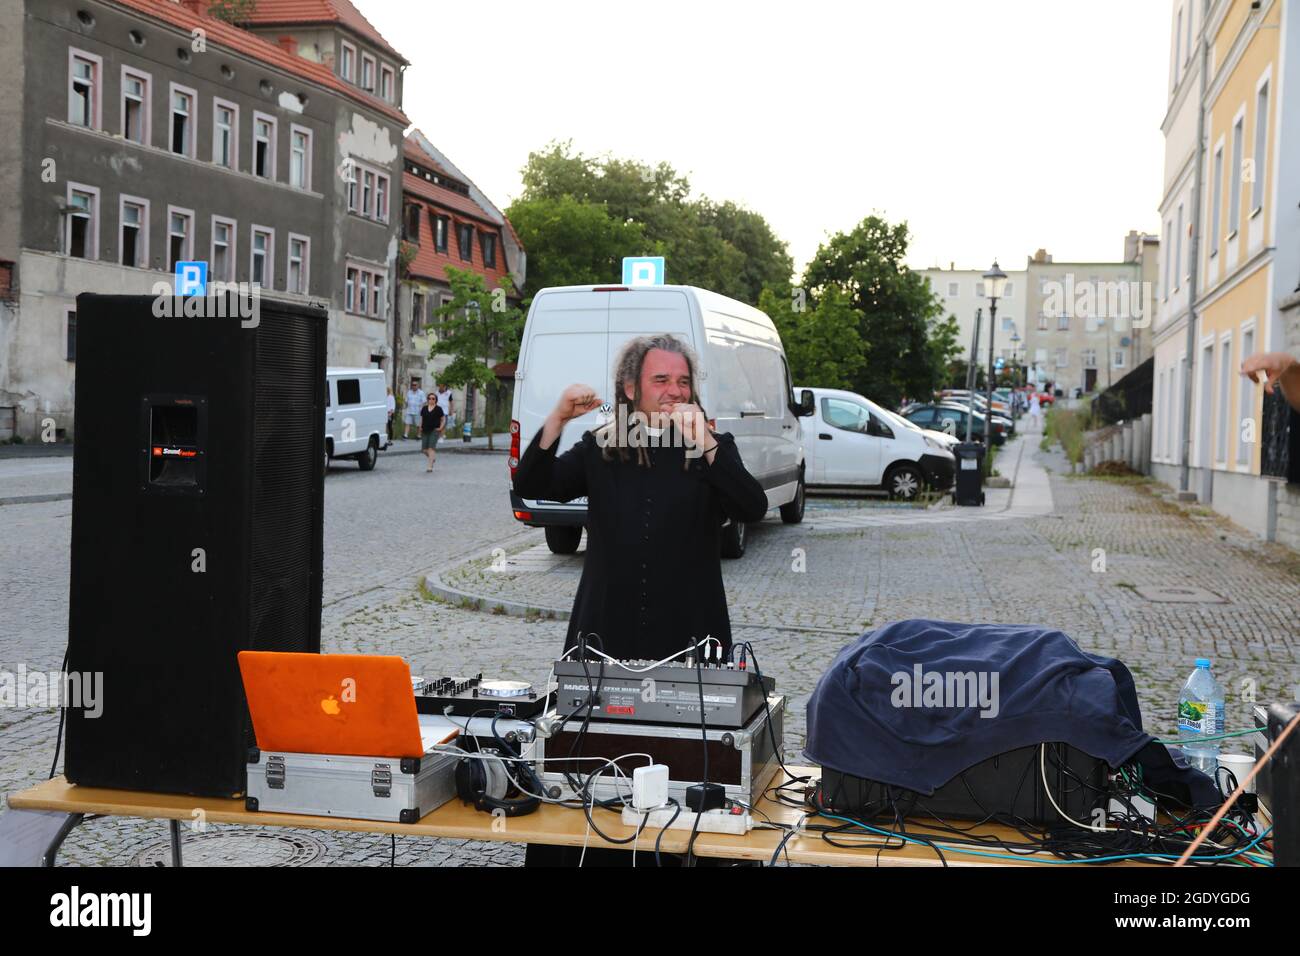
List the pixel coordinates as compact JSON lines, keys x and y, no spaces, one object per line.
{"x":387,"y":528}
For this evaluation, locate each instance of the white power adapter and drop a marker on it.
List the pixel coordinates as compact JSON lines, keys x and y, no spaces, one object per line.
{"x":650,"y":787}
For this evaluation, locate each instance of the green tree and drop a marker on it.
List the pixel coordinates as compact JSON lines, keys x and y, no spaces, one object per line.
{"x":722,"y":247}
{"x":909,"y":347}
{"x":479,"y":324}
{"x":821,"y":342}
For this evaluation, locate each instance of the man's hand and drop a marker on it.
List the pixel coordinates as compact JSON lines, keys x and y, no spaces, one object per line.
{"x":576,"y":401}
{"x":1275,"y":369}
{"x":690,"y":421}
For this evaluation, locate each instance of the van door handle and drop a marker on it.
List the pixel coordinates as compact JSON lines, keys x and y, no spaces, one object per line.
{"x":824,"y":437}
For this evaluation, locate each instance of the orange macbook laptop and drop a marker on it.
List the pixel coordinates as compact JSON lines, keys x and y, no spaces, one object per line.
{"x":350,"y":704}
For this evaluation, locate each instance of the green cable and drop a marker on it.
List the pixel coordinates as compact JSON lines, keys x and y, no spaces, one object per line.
{"x":1235,"y":733}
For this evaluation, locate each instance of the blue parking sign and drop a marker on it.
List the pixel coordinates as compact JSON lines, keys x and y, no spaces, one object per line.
{"x":191,"y":278}
{"x":643,"y":270}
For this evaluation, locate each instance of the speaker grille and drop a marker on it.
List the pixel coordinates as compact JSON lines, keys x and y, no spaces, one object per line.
{"x":288,"y":441}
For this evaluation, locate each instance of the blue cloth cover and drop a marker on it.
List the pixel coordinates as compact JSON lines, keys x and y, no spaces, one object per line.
{"x":864,"y":721}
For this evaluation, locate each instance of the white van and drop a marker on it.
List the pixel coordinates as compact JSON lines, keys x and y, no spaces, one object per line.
{"x":574,"y":333}
{"x":851,"y":442}
{"x":356,"y":415}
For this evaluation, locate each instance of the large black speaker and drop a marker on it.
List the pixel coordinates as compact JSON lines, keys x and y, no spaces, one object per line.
{"x":196,"y":530}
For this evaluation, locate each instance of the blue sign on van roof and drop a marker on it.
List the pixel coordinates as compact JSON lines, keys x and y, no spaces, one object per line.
{"x":643,"y":270}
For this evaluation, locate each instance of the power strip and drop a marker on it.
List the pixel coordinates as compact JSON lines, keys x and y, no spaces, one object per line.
{"x":712,"y":821}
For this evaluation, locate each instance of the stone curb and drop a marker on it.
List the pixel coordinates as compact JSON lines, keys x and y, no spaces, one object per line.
{"x":34,"y":499}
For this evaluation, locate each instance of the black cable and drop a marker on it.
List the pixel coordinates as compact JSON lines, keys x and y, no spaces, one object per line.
{"x":677,"y":811}
{"x":58,"y":737}
{"x":704,"y":733}
{"x":393,"y":859}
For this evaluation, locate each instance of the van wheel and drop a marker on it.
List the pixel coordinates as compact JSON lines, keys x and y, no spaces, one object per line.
{"x":370,"y":457}
{"x":792,"y":512}
{"x":904,"y":482}
{"x":733,"y":540}
{"x":562,"y":539}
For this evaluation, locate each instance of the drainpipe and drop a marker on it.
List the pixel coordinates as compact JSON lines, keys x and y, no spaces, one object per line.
{"x":1194,"y":250}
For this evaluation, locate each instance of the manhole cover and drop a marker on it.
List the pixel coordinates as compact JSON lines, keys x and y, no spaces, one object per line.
{"x":239,"y":848}
{"x":1179,"y":595}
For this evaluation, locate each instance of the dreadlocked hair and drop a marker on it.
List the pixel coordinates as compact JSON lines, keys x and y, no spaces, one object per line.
{"x":627,"y":370}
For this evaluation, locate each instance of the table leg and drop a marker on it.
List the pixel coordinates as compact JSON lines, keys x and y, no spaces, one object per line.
{"x":175,"y":826}
{"x":52,"y":850}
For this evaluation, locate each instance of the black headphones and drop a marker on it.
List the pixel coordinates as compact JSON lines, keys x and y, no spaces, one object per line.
{"x":484,"y":782}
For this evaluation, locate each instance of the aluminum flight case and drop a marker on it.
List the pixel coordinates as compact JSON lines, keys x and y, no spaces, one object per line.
{"x":389,"y":789}
{"x":742,"y":760}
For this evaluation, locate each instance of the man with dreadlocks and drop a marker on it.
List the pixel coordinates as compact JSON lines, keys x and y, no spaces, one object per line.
{"x":660,"y":484}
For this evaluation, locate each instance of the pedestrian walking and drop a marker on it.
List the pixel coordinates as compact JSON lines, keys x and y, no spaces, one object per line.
{"x":447,"y":400}
{"x":414,"y":406}
{"x":1035,"y":412}
{"x":433,"y":421}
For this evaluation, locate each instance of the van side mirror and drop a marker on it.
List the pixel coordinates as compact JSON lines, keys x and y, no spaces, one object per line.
{"x":806,"y":406}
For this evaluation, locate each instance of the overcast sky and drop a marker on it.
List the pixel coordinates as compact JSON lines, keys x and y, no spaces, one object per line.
{"x":992,"y":128}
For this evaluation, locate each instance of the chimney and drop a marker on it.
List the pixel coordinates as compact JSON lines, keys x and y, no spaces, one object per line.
{"x":199,"y":7}
{"x":288,"y":44}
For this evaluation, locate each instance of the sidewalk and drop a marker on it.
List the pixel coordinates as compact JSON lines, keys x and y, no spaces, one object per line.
{"x":411,"y":446}
{"x":36,"y":450}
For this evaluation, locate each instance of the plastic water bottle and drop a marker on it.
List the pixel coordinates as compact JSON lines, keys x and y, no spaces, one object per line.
{"x":1200,"y":715}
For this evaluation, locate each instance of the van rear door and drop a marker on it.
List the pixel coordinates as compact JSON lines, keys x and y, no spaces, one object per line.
{"x":566,"y":342}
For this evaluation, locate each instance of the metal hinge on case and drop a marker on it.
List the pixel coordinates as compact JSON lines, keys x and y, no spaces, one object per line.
{"x":275,"y":773}
{"x":381,"y":780}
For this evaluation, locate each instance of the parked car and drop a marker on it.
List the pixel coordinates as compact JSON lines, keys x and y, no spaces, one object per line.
{"x":574,"y":333}
{"x":851,"y":442}
{"x":356,"y":415}
{"x":952,"y":419}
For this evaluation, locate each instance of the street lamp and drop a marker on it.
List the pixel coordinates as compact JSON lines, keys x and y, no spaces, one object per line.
{"x":995,"y":283}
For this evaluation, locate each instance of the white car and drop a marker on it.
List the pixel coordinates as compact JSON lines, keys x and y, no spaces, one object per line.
{"x":852,"y":443}
{"x":356,"y":415}
{"x":574,"y":333}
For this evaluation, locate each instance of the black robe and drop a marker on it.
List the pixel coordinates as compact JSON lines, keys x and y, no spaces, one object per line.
{"x":652,"y":579}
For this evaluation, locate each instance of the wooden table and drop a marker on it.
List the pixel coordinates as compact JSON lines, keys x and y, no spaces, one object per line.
{"x":551,"y":825}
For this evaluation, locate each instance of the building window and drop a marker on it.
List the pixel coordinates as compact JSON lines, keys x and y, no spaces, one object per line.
{"x":348,"y":62}
{"x":70,"y":339}
{"x":367,"y":72}
{"x":263,"y":146}
{"x":1118,"y":360}
{"x":1225,"y":379}
{"x":1089,"y":358}
{"x":84,"y":72}
{"x":1062,"y":358}
{"x":182,"y":132}
{"x":465,"y":241}
{"x":1009,"y":289}
{"x":376,"y":294}
{"x":1042,"y":321}
{"x":1245,"y":398}
{"x":1261,"y":148}
{"x":225,"y":134}
{"x":954,"y":289}
{"x":387,"y":84}
{"x":180,"y":236}
{"x":135,"y":105}
{"x":489,"y":246}
{"x":441,"y":227}
{"x":381,"y":197}
{"x":1165,"y":252}
{"x":367,"y":193}
{"x":1178,"y":249}
{"x":1234,"y":195}
{"x":417,"y":313}
{"x":134,"y":242}
{"x":82,"y":239}
{"x":411,"y":223}
{"x":300,"y":157}
{"x":350,"y":291}
{"x":299,"y":263}
{"x":1216,"y":202}
{"x":1063,"y":322}
{"x":363,"y":293}
{"x":262,"y":267}
{"x":223,"y":249}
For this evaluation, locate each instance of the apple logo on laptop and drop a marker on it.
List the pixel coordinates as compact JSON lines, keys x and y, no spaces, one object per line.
{"x":330,"y":706}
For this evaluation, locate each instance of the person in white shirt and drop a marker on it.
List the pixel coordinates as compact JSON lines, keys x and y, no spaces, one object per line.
{"x":415,"y":399}
{"x":1036,"y":412}
{"x":445,"y":400}
{"x":392,"y":410}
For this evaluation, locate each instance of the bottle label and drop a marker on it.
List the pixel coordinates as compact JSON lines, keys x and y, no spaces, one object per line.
{"x":1198,"y":717}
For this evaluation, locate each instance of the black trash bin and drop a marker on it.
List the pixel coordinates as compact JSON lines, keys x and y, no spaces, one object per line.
{"x":968,"y":486}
